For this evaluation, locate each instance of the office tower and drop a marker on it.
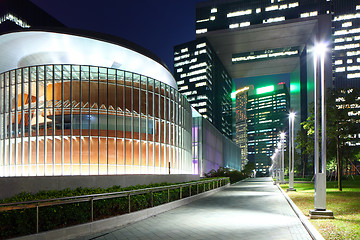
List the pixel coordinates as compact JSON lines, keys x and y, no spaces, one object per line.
{"x":18,"y":14}
{"x":202,"y":78}
{"x":267,"y":116}
{"x":238,"y":15}
{"x":240,"y":137}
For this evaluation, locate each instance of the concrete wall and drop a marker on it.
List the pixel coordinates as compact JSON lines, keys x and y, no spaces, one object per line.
{"x":10,"y":186}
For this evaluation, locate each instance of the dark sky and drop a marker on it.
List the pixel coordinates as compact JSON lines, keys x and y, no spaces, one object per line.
{"x":157,"y":25}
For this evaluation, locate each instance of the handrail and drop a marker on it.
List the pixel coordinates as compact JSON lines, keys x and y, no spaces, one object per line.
{"x":94,"y":197}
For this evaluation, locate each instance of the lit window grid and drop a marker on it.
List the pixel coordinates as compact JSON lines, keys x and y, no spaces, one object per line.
{"x":75,"y":147}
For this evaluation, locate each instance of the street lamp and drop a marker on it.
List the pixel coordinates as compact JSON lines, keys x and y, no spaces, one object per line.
{"x":320,"y":164}
{"x":277,"y":164}
{"x":291,"y":152}
{"x":282,"y":138}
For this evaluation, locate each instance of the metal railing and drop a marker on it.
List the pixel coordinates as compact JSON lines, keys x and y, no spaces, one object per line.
{"x":211,"y":184}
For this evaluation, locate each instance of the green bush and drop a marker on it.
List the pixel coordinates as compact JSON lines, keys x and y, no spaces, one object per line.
{"x":23,"y":222}
{"x":234,"y":175}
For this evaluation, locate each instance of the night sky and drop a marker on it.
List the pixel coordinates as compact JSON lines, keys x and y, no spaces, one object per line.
{"x":157,"y":25}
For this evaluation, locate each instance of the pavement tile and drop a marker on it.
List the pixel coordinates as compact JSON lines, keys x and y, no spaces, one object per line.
{"x":251,"y":209}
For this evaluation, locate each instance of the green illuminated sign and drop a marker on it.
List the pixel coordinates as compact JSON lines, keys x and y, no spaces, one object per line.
{"x":266,"y":89}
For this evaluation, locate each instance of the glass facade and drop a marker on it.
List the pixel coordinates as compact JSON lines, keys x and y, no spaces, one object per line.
{"x":267,"y":115}
{"x":203,"y":79}
{"x":238,"y":14}
{"x":86,"y":120}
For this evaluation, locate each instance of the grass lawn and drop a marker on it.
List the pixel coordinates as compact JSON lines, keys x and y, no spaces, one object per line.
{"x":345,"y":205}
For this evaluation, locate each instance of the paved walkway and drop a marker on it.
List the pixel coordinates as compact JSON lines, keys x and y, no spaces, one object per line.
{"x":251,"y":209}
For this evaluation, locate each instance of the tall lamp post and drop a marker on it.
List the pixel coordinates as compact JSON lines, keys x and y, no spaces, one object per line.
{"x":320,"y":164}
{"x":282,"y":138}
{"x":277,"y":164}
{"x":291,"y":152}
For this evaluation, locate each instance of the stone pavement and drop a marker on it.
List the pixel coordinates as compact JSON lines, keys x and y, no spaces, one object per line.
{"x":251,"y":209}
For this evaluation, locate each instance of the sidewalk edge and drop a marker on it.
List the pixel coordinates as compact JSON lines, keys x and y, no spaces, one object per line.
{"x":314,"y":233}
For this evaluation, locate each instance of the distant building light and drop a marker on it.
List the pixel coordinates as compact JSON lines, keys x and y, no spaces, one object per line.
{"x":201,"y":45}
{"x":213,"y":10}
{"x":346,"y":24}
{"x":239,"y":13}
{"x":271,"y":20}
{"x":266,"y":89}
{"x":233,"y":94}
{"x":201,"y":31}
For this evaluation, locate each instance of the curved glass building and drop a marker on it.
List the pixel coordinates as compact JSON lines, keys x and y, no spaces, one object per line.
{"x":77,"y":105}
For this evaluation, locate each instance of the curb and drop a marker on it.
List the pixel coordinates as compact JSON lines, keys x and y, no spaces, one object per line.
{"x":314,"y":233}
{"x":95,"y":228}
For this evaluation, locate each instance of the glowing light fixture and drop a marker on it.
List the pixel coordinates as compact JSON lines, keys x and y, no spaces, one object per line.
{"x":266,"y":89}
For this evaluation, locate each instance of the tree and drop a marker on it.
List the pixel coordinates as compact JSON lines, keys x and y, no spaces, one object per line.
{"x":341,"y":125}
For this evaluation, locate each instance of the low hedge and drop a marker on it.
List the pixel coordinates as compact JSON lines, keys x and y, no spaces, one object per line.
{"x":23,"y":222}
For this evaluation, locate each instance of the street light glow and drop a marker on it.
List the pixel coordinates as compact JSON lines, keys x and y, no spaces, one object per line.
{"x":292,"y":115}
{"x":282,"y":135}
{"x":320,"y":49}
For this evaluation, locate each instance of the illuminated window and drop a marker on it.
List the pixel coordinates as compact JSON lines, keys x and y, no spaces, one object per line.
{"x":309,"y":14}
{"x":258,"y":10}
{"x":346,"y":32}
{"x":179,"y":70}
{"x":353,"y":53}
{"x":349,"y":61}
{"x":203,"y":20}
{"x":202,"y":64}
{"x":213,"y":10}
{"x":200,"y":45}
{"x":346,"y":24}
{"x":347,"y":17}
{"x":212,"y":18}
{"x":183,"y":88}
{"x":353,"y":75}
{"x":338,"y":40}
{"x":338,"y":62}
{"x":239,"y":13}
{"x":272,"y":8}
{"x":201,"y":31}
{"x":347,"y":46}
{"x":184,"y":50}
{"x":340,"y":69}
{"x":15,"y":20}
{"x":271,"y":20}
{"x":353,"y":68}
{"x":200,"y":84}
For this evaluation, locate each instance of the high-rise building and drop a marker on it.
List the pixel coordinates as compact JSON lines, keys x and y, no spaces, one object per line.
{"x":240,"y":135}
{"x":18,"y":14}
{"x":267,"y":114}
{"x":202,"y":78}
{"x":237,"y":15}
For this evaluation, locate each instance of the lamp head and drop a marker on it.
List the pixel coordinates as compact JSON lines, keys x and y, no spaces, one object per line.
{"x":320,"y":49}
{"x":292,"y":115}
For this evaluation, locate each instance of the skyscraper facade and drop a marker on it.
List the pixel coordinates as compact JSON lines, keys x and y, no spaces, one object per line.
{"x":202,"y":78}
{"x":18,"y":14}
{"x":240,"y":136}
{"x":234,"y":15}
{"x":267,"y":114}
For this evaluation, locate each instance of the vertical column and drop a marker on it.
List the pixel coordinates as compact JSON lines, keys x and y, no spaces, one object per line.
{"x":53,"y":123}
{"x":16,"y":120}
{"x":22,"y":126}
{"x":29,"y":129}
{"x":2,"y":137}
